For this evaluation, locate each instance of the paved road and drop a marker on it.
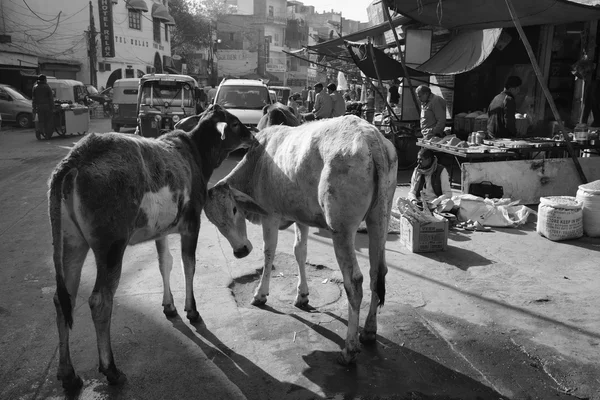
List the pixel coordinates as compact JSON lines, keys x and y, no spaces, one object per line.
{"x":504,"y":314}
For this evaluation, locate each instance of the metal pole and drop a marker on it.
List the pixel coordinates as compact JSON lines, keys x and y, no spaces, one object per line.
{"x":540,"y":77}
{"x":92,"y":49}
{"x":390,"y":109}
{"x":402,"y":58}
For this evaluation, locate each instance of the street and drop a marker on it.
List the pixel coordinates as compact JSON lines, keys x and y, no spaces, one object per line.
{"x":505,"y":314}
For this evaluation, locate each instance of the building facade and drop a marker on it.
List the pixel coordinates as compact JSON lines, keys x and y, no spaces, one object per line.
{"x":94,"y":42}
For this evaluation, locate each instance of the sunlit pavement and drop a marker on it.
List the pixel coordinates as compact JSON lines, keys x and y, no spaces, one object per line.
{"x":502,"y":314}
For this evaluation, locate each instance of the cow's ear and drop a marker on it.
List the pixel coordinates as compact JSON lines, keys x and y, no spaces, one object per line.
{"x":247,"y":203}
{"x":221,"y":126}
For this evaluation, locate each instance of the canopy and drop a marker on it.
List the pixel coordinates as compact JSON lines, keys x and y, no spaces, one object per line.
{"x":162,"y":13}
{"x":139,"y":5}
{"x":387,"y":67}
{"x":332,"y":47}
{"x":463,"y":52}
{"x":485,"y":14}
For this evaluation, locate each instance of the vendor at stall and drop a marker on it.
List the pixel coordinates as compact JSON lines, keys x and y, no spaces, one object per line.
{"x":502,"y":109}
{"x":42,"y":100}
{"x":430,"y":183}
{"x":433,"y":112}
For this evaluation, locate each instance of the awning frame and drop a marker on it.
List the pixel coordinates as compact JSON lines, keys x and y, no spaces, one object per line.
{"x":139,"y":5}
{"x":161,"y":12}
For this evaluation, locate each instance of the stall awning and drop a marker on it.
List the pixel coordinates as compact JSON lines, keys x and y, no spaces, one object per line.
{"x":139,"y":5}
{"x":387,"y":67}
{"x":333,"y":46}
{"x":486,"y":14}
{"x":162,"y":13}
{"x":463,"y":53}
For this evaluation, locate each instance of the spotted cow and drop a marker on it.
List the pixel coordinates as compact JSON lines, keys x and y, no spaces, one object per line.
{"x":331,"y":174}
{"x":114,"y":190}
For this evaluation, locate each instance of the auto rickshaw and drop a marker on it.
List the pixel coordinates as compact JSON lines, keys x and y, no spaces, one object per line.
{"x":283,"y":93}
{"x":125,"y":103}
{"x":163,"y":100}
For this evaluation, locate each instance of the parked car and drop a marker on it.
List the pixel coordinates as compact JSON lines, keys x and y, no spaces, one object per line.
{"x":244,"y":98}
{"x":15,"y":107}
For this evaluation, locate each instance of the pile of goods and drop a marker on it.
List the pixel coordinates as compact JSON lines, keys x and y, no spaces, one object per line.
{"x":412,"y":212}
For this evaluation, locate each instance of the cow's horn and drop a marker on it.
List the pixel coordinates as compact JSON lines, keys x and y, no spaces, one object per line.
{"x":221,"y":128}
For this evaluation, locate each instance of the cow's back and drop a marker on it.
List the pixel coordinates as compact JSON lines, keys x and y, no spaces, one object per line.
{"x":301,"y":170}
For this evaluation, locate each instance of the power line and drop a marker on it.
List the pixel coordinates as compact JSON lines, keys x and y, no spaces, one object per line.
{"x":45,"y":20}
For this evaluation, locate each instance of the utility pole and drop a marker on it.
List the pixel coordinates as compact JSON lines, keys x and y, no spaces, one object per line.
{"x":92,"y":49}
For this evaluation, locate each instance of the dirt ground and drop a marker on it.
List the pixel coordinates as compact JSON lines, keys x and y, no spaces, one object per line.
{"x":500,"y":314}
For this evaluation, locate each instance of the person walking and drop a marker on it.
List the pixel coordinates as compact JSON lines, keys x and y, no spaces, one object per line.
{"x":502,"y":109}
{"x":433,"y":112}
{"x":311,"y":99}
{"x":323,"y":105}
{"x":339,"y":105}
{"x":42,"y":100}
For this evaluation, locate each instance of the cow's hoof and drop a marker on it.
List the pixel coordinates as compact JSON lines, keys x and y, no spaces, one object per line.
{"x":71,"y":382}
{"x":347,"y":357}
{"x":301,"y":301}
{"x":193,"y":316}
{"x":170,"y":311}
{"x":115,"y":377}
{"x":259,"y":301}
{"x":367,"y":337}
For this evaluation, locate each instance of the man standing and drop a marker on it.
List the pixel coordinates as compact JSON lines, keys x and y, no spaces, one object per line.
{"x":339,"y":105}
{"x":433,"y":112}
{"x":311,"y":99}
{"x":323,"y":105}
{"x":42,"y":100}
{"x":393,"y":94}
{"x":502,"y":109}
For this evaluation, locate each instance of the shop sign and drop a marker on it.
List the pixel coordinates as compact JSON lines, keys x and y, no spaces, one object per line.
{"x":276,"y":68}
{"x":107,"y":38}
{"x":311,"y":72}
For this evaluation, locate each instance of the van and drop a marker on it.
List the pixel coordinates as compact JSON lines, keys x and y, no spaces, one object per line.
{"x":244,"y":98}
{"x":124,"y":103}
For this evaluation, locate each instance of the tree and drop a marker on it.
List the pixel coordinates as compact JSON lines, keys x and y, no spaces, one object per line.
{"x":190,"y":32}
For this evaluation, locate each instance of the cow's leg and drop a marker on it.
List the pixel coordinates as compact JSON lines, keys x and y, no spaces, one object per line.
{"x":165,"y":264}
{"x":377,"y":230}
{"x":109,"y":260}
{"x":188,"y":256}
{"x":270,"y":235}
{"x":300,"y":250}
{"x":343,"y":244}
{"x":75,"y":249}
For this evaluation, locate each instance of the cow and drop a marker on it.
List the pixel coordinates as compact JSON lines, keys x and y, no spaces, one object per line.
{"x":331,"y":174}
{"x":114,"y":190}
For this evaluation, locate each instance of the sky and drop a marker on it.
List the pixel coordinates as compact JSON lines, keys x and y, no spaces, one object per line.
{"x":350,"y":9}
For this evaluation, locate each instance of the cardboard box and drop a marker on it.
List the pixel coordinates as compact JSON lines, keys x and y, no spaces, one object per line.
{"x":425,"y":237}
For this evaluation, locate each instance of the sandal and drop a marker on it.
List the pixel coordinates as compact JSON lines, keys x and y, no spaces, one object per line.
{"x":477,"y":226}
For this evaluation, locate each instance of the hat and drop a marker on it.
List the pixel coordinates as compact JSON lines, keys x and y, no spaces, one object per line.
{"x":41,"y":78}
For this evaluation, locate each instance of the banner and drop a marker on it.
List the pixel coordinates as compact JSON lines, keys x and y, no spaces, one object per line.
{"x":107,"y":37}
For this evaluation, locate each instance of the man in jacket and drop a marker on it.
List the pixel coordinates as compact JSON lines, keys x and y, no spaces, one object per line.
{"x":323,"y":105}
{"x":502,"y":109}
{"x":430,"y":182}
{"x":42,"y":100}
{"x":433,"y":112}
{"x":339,"y":105}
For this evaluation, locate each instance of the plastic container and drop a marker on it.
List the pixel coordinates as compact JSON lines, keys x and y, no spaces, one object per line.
{"x":589,"y":195}
{"x":581,"y":134}
{"x":560,"y":218}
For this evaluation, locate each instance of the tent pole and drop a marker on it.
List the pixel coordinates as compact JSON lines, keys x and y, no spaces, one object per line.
{"x":386,"y":11}
{"x":545,"y":89}
{"x":387,"y":105}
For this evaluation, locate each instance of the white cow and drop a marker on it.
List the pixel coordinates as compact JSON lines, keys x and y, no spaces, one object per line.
{"x":330,"y":174}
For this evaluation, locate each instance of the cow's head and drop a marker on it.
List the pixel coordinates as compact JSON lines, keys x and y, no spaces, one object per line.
{"x":218,"y":128}
{"x":277,"y":114}
{"x":227,"y":209}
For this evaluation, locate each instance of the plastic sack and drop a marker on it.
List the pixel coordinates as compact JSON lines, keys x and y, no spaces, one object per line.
{"x":560,"y":218}
{"x":589,"y":195}
{"x":500,"y":213}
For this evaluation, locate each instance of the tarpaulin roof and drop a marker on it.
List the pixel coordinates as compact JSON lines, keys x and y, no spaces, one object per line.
{"x":485,"y":14}
{"x":463,"y":52}
{"x":387,"y":67}
{"x":331,"y":47}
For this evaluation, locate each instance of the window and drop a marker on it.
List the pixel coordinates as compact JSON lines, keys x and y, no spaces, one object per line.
{"x":166,"y":33}
{"x":135,"y":19}
{"x":156,"y":29}
{"x":231,"y":36}
{"x":276,"y":39}
{"x":271,"y":11}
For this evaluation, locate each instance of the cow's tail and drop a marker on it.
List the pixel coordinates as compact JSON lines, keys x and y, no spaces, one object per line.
{"x":65,"y":172}
{"x":383,"y":164}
